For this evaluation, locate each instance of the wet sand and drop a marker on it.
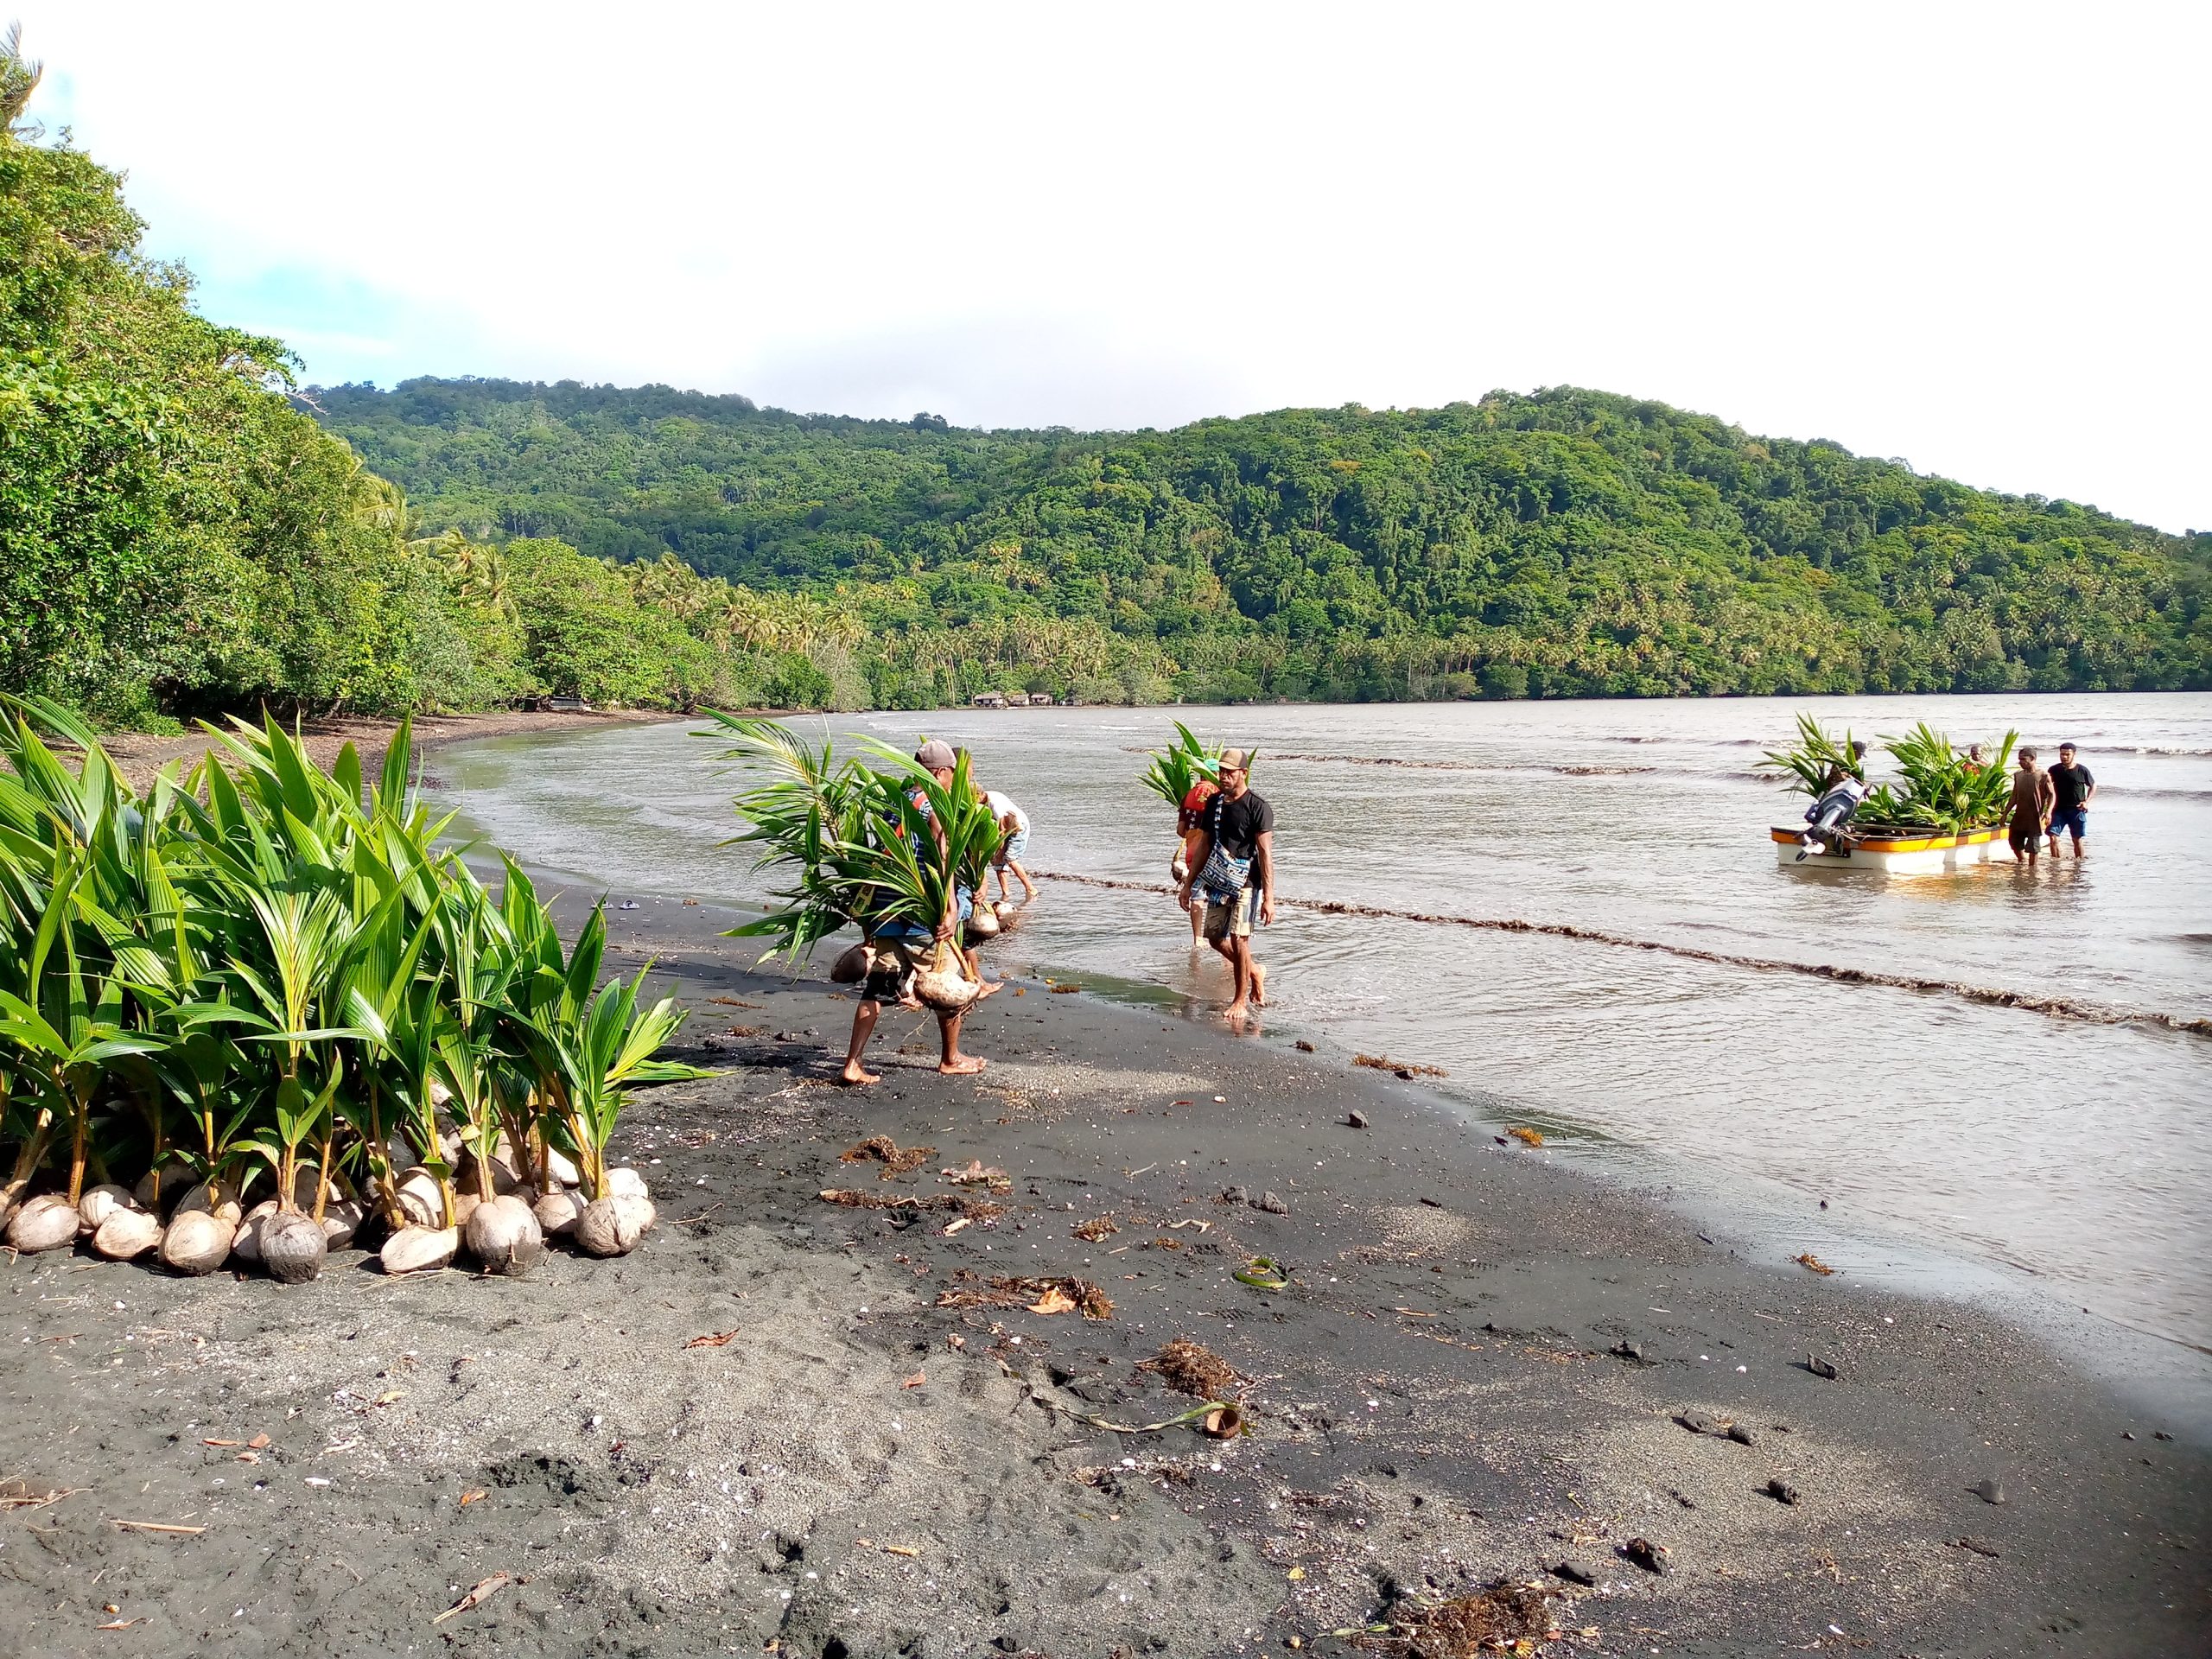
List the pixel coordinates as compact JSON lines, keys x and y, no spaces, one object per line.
{"x":1477,"y":1370}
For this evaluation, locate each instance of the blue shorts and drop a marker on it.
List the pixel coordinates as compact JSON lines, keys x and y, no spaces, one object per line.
{"x":1012,"y":852}
{"x":2070,"y":820}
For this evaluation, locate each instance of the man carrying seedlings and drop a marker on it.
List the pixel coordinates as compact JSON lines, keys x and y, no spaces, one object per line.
{"x":2031,"y":809}
{"x":1235,"y":875}
{"x":893,"y":957}
{"x":2072,"y":790}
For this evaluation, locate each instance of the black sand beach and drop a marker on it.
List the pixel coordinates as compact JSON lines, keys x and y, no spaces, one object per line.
{"x":1481,"y":1368}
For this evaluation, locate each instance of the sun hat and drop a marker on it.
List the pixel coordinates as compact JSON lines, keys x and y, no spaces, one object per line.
{"x":935,"y":755}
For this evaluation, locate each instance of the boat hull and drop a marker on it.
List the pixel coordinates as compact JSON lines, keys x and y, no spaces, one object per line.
{"x":1898,"y":854}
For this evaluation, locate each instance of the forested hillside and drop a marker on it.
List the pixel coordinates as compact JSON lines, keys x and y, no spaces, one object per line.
{"x":1568,"y":543}
{"x":183,"y":532}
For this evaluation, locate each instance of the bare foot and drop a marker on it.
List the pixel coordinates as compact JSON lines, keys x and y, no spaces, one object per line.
{"x":1259,"y":986}
{"x":962,"y":1065}
{"x":1235,"y":1013}
{"x":856,"y":1076}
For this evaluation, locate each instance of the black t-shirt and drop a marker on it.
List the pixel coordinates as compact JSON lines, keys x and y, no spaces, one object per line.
{"x":1237,"y":826}
{"x":2073,"y":784}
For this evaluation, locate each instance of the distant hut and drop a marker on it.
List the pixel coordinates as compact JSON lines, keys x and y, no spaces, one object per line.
{"x":988,"y":700}
{"x":1040,"y":699}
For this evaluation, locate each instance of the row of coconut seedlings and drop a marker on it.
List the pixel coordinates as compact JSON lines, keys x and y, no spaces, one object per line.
{"x":205,"y":1226}
{"x":265,"y":978}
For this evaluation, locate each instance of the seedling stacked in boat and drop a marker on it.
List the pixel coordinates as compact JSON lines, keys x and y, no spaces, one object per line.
{"x":264,"y":997}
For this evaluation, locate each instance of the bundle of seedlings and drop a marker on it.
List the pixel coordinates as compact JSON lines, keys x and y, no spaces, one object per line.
{"x":257,"y":1011}
{"x":1182,"y":766}
{"x":884,"y":848}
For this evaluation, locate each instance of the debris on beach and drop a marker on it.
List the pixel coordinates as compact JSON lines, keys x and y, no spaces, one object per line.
{"x":1704,"y":1422}
{"x":1303,"y":1046}
{"x":1263,"y":1272}
{"x":1808,"y":1260}
{"x":483,"y":1591}
{"x":1402,"y":1068}
{"x":1065,"y":1295}
{"x":1989,"y":1491}
{"x":1978,"y":1545}
{"x":1527,"y":1137}
{"x":1357,"y":1120}
{"x":975,"y":1174}
{"x":969,"y":1209}
{"x":1093,"y":1232}
{"x":1782,"y":1491}
{"x":1819,"y":1367}
{"x":1065,"y":990}
{"x":1504,"y":1615}
{"x":1191,"y":1368}
{"x":882,"y":1149}
{"x":1651,"y":1557}
{"x":715,"y":1340}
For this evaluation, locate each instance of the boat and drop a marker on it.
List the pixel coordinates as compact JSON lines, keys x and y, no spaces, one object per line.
{"x":1894,"y":849}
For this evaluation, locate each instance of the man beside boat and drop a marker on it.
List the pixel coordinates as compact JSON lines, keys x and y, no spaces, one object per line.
{"x":1841,"y":790}
{"x":2029,"y":819}
{"x":1235,"y":876}
{"x":2072,"y":790}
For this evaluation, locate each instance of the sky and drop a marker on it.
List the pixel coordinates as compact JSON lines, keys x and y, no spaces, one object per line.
{"x":1971,"y":237}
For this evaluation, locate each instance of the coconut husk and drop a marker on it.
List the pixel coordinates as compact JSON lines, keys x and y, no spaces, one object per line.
{"x":199,"y":1241}
{"x":625,"y":1182}
{"x":127,"y":1235}
{"x":99,"y":1203}
{"x":504,"y":1236}
{"x":563,"y":1167}
{"x":246,"y":1244}
{"x":159,"y":1188}
{"x":613,"y":1226}
{"x":505,"y":1179}
{"x":46,"y":1223}
{"x":292,"y":1247}
{"x":943,"y":984}
{"x":558,"y":1213}
{"x":218,"y":1199}
{"x":341,"y":1219}
{"x":418,"y":1249}
{"x":420,"y":1198}
{"x":983,"y":923}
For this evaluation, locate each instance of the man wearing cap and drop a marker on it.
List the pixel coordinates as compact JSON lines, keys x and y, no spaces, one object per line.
{"x":1234,"y":873}
{"x":892,"y":948}
{"x":2072,"y":790}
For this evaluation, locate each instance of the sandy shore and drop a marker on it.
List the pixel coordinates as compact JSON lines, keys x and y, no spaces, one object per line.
{"x":1480,"y":1369}
{"x":139,"y":754}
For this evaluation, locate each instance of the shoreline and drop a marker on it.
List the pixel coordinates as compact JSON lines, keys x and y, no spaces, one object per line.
{"x":138,"y":755}
{"x":1443,"y":1395}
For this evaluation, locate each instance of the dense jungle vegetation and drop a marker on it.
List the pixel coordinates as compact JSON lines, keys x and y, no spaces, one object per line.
{"x":183,"y":529}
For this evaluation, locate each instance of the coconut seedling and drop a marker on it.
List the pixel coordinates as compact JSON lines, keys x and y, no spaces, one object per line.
{"x":1184,"y":765}
{"x":602,"y":1052}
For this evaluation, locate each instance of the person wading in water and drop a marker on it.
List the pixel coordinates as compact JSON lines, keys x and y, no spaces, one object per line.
{"x":2032,"y":802}
{"x":2072,"y":790}
{"x":1190,"y":831}
{"x":1234,"y":873}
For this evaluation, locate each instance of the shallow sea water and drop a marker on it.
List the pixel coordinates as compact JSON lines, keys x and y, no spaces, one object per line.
{"x":2068,"y":1155}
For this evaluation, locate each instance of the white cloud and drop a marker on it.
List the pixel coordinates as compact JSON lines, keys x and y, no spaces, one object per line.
{"x":1970,"y":235}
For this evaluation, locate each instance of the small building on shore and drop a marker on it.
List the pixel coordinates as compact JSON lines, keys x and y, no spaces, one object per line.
{"x":988,"y":700}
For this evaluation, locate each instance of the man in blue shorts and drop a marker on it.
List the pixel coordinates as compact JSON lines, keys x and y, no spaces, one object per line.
{"x":2074,"y":789}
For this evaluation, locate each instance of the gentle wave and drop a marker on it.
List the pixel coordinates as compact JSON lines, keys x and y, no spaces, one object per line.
{"x":2058,"y":1008}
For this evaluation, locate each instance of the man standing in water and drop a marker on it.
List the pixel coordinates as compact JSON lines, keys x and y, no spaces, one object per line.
{"x":2072,"y":790}
{"x":1234,"y":872}
{"x":2030,"y":810}
{"x":893,"y":951}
